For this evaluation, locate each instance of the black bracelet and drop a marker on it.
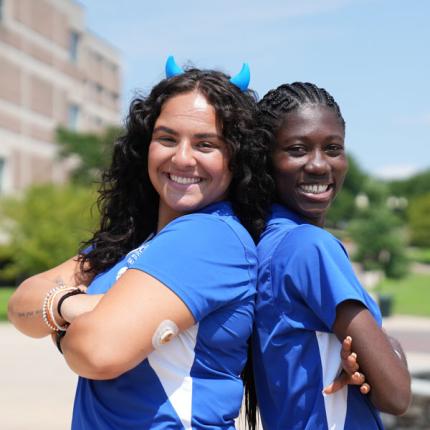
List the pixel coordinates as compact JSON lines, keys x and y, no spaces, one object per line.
{"x":58,"y":336}
{"x":67,"y":295}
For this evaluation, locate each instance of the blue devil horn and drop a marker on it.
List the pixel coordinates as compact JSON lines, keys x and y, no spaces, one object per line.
{"x":172,"y":69}
{"x":241,"y":80}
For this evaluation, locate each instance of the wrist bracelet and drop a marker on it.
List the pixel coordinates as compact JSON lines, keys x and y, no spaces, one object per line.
{"x":66,"y":296}
{"x":47,"y":314}
{"x":58,"y":336}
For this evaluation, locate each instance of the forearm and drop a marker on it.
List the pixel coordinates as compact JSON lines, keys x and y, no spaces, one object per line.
{"x":25,"y":306}
{"x":386,"y":373}
{"x":88,"y":350}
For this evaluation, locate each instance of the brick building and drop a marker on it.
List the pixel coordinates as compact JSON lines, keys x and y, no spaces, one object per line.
{"x":52,"y":71}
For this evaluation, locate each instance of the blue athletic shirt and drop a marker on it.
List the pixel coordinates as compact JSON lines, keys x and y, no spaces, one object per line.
{"x":304,"y":273}
{"x":209,"y":260}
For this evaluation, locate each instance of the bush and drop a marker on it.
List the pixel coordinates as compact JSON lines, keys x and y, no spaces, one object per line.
{"x":45,"y":227}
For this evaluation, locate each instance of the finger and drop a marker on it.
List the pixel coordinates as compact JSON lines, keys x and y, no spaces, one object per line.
{"x":346,"y":348}
{"x":365,"y":388}
{"x":352,"y":363}
{"x":357,"y":378}
{"x":337,"y":384}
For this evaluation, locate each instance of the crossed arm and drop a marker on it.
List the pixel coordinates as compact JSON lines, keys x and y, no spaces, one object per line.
{"x":112,"y":333}
{"x":381,"y":358}
{"x":109,"y":334}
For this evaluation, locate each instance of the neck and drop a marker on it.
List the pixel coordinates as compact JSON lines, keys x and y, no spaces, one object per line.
{"x":166,"y":215}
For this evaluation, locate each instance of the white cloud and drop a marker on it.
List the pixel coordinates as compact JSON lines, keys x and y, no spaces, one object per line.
{"x":421,"y":119}
{"x":395,"y":171}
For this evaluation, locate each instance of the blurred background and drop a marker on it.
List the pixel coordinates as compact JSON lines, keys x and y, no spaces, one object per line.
{"x":69,"y":70}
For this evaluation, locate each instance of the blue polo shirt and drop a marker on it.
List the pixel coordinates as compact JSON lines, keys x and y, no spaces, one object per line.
{"x":209,"y":260}
{"x":304,"y":273}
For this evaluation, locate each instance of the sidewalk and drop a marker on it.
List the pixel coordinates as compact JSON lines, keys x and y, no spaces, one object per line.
{"x":37,"y":388}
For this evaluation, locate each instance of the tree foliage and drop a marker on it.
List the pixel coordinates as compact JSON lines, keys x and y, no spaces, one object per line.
{"x":414,"y":186}
{"x":419,"y":220}
{"x":343,"y":208}
{"x":45,"y":227}
{"x":380,"y":241}
{"x":92,"y":150}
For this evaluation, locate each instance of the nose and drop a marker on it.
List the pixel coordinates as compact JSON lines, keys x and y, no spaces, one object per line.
{"x":183,"y":156}
{"x":317,"y":163}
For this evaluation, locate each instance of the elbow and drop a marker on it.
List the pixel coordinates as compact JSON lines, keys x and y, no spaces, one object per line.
{"x":91,"y":367}
{"x":397,"y":403}
{"x":90,"y":358}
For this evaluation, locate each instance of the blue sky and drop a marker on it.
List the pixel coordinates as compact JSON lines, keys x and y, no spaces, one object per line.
{"x":372,"y":55}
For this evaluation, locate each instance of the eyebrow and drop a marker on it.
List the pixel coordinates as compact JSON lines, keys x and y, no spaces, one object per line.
{"x":207,"y":136}
{"x":165,"y":129}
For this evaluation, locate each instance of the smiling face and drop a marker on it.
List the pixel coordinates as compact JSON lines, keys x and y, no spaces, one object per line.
{"x":309,"y":161}
{"x":188,"y":159}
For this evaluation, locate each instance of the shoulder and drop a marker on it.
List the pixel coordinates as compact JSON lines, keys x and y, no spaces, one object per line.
{"x":204,"y":229}
{"x":308,"y":238}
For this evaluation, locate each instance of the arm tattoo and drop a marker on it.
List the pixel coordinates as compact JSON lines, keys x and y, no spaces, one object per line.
{"x":29,"y":314}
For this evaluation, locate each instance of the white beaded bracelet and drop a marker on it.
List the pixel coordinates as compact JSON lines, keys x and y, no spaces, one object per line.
{"x":47,"y":308}
{"x":51,"y":307}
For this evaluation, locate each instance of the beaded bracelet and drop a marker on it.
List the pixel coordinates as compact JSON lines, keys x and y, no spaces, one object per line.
{"x":47,"y":308}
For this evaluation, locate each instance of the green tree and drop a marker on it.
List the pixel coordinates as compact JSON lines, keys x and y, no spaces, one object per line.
{"x":343,"y":208}
{"x":414,"y":186}
{"x":45,"y":227}
{"x":93,"y":151}
{"x":380,"y":241}
{"x":419,"y":220}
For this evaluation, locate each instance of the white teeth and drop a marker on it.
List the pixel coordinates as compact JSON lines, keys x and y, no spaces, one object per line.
{"x":183,"y":180}
{"x":314,"y":188}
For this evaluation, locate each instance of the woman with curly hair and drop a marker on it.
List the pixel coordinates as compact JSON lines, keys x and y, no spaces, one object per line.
{"x":160,"y":337}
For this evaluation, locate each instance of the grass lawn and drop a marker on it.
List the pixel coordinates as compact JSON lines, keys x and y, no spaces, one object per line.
{"x":5,"y":293}
{"x":411,"y":294}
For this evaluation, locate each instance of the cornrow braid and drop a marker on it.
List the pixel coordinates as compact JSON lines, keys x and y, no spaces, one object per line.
{"x":272,"y":110}
{"x":289,"y":97}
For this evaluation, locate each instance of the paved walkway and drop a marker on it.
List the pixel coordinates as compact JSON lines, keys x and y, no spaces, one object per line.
{"x":37,"y":388}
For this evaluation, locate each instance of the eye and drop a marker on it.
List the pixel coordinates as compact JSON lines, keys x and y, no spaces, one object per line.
{"x":334,"y":149}
{"x":206,"y":146}
{"x":166,"y":140}
{"x":295,"y":150}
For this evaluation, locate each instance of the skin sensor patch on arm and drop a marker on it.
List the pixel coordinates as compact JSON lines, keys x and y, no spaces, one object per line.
{"x":165,"y":332}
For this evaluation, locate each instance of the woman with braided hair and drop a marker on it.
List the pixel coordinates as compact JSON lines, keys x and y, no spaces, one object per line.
{"x":308,"y":295}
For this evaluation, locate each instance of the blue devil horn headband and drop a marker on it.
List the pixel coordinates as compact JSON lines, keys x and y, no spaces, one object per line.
{"x":241,"y":80}
{"x":172,"y":69}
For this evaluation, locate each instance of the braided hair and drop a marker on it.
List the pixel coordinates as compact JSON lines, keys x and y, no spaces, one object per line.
{"x":273,"y":108}
{"x":288,"y":97}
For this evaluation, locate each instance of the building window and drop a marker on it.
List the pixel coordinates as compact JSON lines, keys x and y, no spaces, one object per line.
{"x":2,"y":170}
{"x":73,"y":117}
{"x":74,"y":44}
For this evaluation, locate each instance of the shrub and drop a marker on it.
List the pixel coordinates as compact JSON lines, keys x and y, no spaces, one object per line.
{"x":44,"y":227}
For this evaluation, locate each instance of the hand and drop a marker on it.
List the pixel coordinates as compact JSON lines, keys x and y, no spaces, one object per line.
{"x":350,"y":374}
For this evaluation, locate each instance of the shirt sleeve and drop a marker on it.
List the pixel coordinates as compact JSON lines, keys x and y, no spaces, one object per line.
{"x":318,"y":268}
{"x":203,"y":261}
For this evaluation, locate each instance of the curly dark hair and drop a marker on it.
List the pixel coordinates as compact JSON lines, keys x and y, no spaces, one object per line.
{"x":127,"y":200}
